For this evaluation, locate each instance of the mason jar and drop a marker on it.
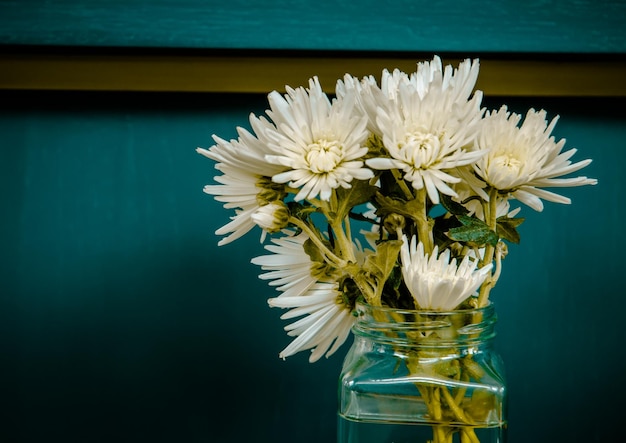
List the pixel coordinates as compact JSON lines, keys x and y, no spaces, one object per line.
{"x":416,"y":376}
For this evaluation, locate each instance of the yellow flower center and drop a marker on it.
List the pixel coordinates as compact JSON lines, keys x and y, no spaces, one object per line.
{"x":324,"y":156}
{"x":420,"y":149}
{"x":506,"y":171}
{"x":512,"y":164}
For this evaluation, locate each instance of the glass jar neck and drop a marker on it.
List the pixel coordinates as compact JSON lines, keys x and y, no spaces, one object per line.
{"x":425,"y":329}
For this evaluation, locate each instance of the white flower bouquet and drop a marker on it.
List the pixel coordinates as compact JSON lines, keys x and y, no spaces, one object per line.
{"x":399,"y":193}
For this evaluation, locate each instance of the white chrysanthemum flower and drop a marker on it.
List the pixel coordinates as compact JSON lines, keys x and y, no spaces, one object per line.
{"x":473,"y":205}
{"x":309,"y":292}
{"x":319,"y":142}
{"x":523,"y":159}
{"x":436,"y":282}
{"x":369,"y":97}
{"x":325,"y":321}
{"x":289,"y":266}
{"x":246,"y":176}
{"x":426,"y":122}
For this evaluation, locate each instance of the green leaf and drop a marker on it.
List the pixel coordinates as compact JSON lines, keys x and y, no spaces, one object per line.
{"x":377,"y":269}
{"x":360,"y":192}
{"x":390,"y":205}
{"x":506,"y":228}
{"x":451,"y":206}
{"x":382,"y":263}
{"x":311,"y":249}
{"x":299,"y":210}
{"x":473,"y":230}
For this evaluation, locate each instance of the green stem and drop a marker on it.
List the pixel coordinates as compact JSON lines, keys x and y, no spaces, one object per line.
{"x":421,"y":219}
{"x":345,"y":243}
{"x":365,"y":285}
{"x":433,"y":403}
{"x":403,"y":186}
{"x":330,"y":255}
{"x":348,"y":231}
{"x":337,"y":224}
{"x":468,"y":435}
{"x":462,"y":390}
{"x":491,"y":217}
{"x":439,"y":430}
{"x":456,"y":410}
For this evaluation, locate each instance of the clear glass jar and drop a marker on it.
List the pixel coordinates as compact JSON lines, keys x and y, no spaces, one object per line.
{"x":416,"y":376}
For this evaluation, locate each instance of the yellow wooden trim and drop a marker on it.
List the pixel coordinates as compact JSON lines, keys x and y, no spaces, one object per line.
{"x":262,"y":74}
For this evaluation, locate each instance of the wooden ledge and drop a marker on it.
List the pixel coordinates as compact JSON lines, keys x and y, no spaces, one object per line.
{"x":240,"y":73}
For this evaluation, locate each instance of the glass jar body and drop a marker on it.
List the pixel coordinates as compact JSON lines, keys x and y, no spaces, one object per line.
{"x":414,"y":376}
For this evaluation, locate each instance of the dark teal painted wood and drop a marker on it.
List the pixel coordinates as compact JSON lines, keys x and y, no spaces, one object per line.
{"x":561,"y":297}
{"x":121,"y":320}
{"x":543,"y":26}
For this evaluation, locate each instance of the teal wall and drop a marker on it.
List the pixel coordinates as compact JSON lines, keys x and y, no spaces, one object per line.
{"x":120,"y":318}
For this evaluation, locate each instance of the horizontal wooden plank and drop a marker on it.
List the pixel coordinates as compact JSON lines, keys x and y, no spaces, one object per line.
{"x":240,"y":73}
{"x":557,"y":26}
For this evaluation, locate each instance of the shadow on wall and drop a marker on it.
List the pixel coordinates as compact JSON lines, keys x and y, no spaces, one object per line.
{"x":158,"y":350}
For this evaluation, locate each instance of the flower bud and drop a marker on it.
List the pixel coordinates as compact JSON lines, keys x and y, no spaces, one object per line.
{"x":394,"y":222}
{"x":269,"y":191}
{"x":272,"y":217}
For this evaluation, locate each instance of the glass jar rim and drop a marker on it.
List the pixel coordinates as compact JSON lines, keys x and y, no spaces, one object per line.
{"x":487,"y":309}
{"x":428,"y":328}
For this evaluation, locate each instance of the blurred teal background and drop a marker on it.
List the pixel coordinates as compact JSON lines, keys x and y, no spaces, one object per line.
{"x":120,"y":318}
